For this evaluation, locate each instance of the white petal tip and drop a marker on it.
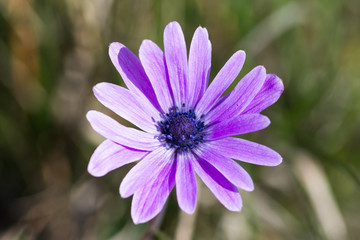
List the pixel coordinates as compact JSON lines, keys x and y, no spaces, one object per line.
{"x":235,"y":208}
{"x":249,"y":188}
{"x":124,"y":192}
{"x":97,"y":88}
{"x":90,"y":114}
{"x":115,"y":46}
{"x":277,"y":162}
{"x":267,"y":121}
{"x":138,"y":218}
{"x":189,"y":211}
{"x":92,"y":171}
{"x":172,"y":24}
{"x":202,"y":30}
{"x":241,"y":52}
{"x":94,"y":174}
{"x":138,"y":221}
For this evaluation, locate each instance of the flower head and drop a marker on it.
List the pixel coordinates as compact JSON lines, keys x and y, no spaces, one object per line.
{"x":185,"y":125}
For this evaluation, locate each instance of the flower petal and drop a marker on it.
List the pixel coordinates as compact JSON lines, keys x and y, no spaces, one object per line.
{"x":127,"y":105}
{"x":199,"y":65}
{"x":241,"y":96}
{"x":130,"y":137}
{"x":109,"y":156}
{"x":221,"y":82}
{"x":132,"y":72}
{"x":153,"y":60}
{"x":246,"y":151}
{"x":157,"y":162}
{"x":223,"y":190}
{"x":186,"y":190}
{"x":231,"y":170}
{"x":268,"y":94}
{"x":238,"y":125}
{"x":148,"y":201}
{"x":176,"y":61}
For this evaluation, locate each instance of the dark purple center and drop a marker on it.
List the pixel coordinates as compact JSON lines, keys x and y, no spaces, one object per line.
{"x":181,"y":130}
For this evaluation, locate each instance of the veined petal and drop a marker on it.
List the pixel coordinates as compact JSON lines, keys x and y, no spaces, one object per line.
{"x":186,"y":190}
{"x":241,"y":96}
{"x":221,"y":82}
{"x":155,"y":163}
{"x":176,"y":61}
{"x":246,"y":151}
{"x":231,"y":170}
{"x":110,"y":155}
{"x":130,"y":137}
{"x":153,"y":60}
{"x":224,"y":191}
{"x":199,"y":65}
{"x":238,"y":125}
{"x":186,"y":125}
{"x":132,"y":72}
{"x":268,"y":94}
{"x":127,"y":105}
{"x":148,"y":201}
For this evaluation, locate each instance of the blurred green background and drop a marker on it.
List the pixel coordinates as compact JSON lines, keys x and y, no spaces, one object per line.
{"x":53,"y":52}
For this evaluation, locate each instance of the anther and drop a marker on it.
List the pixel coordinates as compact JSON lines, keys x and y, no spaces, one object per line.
{"x":180,"y":129}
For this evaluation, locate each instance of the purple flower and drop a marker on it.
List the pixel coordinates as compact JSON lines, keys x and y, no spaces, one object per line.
{"x":186,"y":126}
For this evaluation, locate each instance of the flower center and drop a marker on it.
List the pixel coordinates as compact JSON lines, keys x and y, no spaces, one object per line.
{"x":181,"y":130}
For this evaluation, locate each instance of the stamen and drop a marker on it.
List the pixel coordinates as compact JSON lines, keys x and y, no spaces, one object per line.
{"x":180,"y":129}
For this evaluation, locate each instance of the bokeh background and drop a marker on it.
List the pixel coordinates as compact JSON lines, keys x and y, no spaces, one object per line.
{"x":52,"y":53}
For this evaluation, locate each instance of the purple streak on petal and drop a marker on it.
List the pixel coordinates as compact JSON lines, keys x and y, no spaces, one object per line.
{"x":128,"y":105}
{"x":153,"y":60}
{"x":231,"y":170}
{"x":199,"y":65}
{"x":241,"y":96}
{"x":246,"y":151}
{"x":224,"y":191}
{"x":238,"y":125}
{"x":268,"y":94}
{"x":186,"y":190}
{"x":132,"y":72}
{"x":109,"y":156}
{"x":176,"y":61}
{"x":130,"y":137}
{"x":221,"y":82}
{"x":155,"y":163}
{"x":148,"y":201}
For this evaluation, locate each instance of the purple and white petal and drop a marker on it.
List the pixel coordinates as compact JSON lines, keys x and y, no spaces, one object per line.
{"x":132,"y":72}
{"x":130,"y":137}
{"x":148,"y":201}
{"x":240,"y":97}
{"x":268,"y":94}
{"x":231,"y":170}
{"x":199,"y":65}
{"x":176,"y":61}
{"x":186,"y":190}
{"x":241,"y":124}
{"x":153,"y":165}
{"x":127,"y":105}
{"x":221,"y":82}
{"x":153,"y":60}
{"x":246,"y":151}
{"x":224,"y":191}
{"x":110,"y":155}
{"x":186,"y":126}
